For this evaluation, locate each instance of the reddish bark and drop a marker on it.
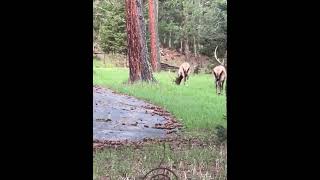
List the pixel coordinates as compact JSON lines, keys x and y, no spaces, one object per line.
{"x":139,"y":69}
{"x":153,"y":36}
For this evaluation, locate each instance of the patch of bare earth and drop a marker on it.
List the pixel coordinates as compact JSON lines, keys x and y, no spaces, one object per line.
{"x":121,"y":119}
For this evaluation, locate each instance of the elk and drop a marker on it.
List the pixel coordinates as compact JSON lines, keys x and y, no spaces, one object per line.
{"x":220,"y":74}
{"x":183,"y":73}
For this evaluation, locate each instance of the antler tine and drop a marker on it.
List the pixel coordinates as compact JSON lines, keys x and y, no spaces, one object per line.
{"x":215,"y":55}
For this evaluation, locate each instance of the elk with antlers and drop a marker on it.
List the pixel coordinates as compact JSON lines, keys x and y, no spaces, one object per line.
{"x":220,"y":73}
{"x":183,"y":73}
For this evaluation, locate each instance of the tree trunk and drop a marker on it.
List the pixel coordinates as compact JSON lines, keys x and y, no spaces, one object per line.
{"x":195,"y":46}
{"x":157,"y":33}
{"x":146,"y":71}
{"x":170,"y":39}
{"x":225,"y":59}
{"x":164,"y":41}
{"x":186,"y":50}
{"x":139,"y":67}
{"x":181,"y":46}
{"x":198,"y":30}
{"x":153,"y":36}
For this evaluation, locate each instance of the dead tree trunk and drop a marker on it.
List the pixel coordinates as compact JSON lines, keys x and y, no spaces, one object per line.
{"x":139,"y":67}
{"x":153,"y":36}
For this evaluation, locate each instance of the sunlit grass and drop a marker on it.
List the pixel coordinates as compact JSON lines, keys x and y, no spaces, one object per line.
{"x":196,"y":105}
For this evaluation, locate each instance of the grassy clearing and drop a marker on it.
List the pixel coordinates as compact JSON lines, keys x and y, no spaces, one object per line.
{"x":100,"y":64}
{"x":109,"y":61}
{"x":196,"y":104}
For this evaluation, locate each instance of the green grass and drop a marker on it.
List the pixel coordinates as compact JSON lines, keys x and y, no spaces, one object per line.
{"x":100,"y":64}
{"x":192,"y":161}
{"x":196,"y":105}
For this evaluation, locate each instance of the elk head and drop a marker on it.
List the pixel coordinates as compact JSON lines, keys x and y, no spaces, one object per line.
{"x":183,"y":73}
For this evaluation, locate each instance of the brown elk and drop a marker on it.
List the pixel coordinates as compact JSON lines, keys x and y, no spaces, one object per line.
{"x":183,"y":73}
{"x":220,"y":74}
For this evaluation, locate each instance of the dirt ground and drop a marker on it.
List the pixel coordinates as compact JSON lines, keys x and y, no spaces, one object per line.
{"x":121,"y":118}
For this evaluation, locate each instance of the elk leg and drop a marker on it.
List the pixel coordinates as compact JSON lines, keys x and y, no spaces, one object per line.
{"x":216,"y":87}
{"x":222,"y":85}
{"x":184,"y":79}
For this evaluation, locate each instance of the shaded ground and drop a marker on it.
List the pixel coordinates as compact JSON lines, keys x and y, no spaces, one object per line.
{"x":121,"y":118}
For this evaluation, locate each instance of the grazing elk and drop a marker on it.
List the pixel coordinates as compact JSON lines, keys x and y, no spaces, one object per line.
{"x":183,"y":73}
{"x":220,"y":74}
